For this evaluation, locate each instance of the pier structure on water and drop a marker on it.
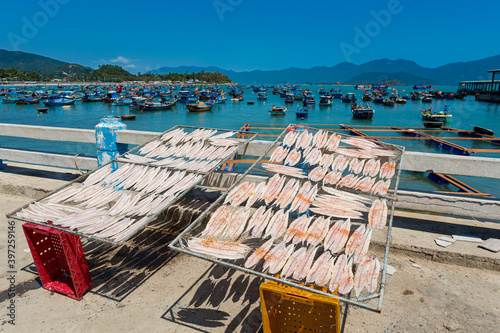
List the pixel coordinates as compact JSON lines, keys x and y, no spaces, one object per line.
{"x":484,"y":90}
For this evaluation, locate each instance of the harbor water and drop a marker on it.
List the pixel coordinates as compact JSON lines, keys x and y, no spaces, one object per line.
{"x":233,"y":115}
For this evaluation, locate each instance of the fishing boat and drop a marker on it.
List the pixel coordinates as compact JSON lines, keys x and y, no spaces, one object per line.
{"x":250,"y":102}
{"x":200,"y":106}
{"x":349,"y":98}
{"x":388,"y":102}
{"x":122,"y":102}
{"x":482,"y":131}
{"x":302,"y":112}
{"x":289,"y":99}
{"x":262,"y":96}
{"x":325,"y":101}
{"x":89,"y":98}
{"x":421,"y":86}
{"x":42,"y":110}
{"x":367,"y":97}
{"x":431,"y":115}
{"x":321,"y":91}
{"x":58,"y":101}
{"x":128,"y":116}
{"x":361,"y":112}
{"x":156,"y":106}
{"x":278,"y":111}
{"x":309,"y":100}
{"x":336,"y":93}
{"x":28,"y":101}
{"x":378,"y":100}
{"x":10,"y":100}
{"x":427,"y":99}
{"x":400,"y":100}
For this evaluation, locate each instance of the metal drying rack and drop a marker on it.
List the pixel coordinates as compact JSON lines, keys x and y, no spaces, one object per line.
{"x":177,"y":244}
{"x":119,"y":159}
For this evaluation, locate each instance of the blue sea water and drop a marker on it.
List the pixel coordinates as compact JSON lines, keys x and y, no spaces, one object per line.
{"x":233,"y":115}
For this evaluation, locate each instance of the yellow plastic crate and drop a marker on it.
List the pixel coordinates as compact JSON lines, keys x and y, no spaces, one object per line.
{"x":288,"y":309}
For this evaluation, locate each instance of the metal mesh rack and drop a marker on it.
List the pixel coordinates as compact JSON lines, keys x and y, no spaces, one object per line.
{"x":105,"y":192}
{"x":380,"y":240}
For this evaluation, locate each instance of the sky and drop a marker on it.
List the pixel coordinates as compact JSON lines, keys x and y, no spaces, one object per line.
{"x":250,"y":34}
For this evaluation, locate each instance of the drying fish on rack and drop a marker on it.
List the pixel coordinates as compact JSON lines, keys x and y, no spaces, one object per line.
{"x":332,"y":177}
{"x":98,"y":175}
{"x":387,"y":170}
{"x":333,"y":142}
{"x":365,"y":184}
{"x":259,"y":221}
{"x":349,"y":181}
{"x":218,"y":249}
{"x":273,"y":188}
{"x":304,"y":140}
{"x":340,"y":163}
{"x":320,"y":270}
{"x":278,"y":154}
{"x":372,"y":168}
{"x":304,"y":197}
{"x":361,"y":143}
{"x":239,"y":194}
{"x":290,"y":138}
{"x":286,"y":170}
{"x":317,"y":174}
{"x":317,"y":231}
{"x":336,"y":238}
{"x":381,"y":187}
{"x":326,"y":160}
{"x":358,"y":243}
{"x":304,"y":265}
{"x":313,"y":157}
{"x":297,"y":231}
{"x":356,"y":165}
{"x":342,"y":276}
{"x":277,"y":225}
{"x":224,"y":142}
{"x":258,"y":254}
{"x":377,"y":217}
{"x":256,"y":194}
{"x":367,"y":275}
{"x":287,"y":193}
{"x":382,"y":152}
{"x":293,"y":158}
{"x":276,"y":258}
{"x":293,"y":262}
{"x":359,"y":153}
{"x":320,"y":139}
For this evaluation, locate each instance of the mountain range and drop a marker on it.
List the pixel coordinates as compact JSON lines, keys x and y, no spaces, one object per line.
{"x":406,"y":71}
{"x":31,"y":62}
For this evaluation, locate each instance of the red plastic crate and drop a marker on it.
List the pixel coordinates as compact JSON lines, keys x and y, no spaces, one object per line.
{"x":59,"y":259}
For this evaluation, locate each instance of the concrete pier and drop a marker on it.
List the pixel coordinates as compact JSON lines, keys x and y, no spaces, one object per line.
{"x":434,"y":289}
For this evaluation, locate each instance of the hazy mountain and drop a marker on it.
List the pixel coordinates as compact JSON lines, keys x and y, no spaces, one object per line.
{"x":406,"y":71}
{"x":36,"y":63}
{"x":402,"y":70}
{"x":403,"y":77}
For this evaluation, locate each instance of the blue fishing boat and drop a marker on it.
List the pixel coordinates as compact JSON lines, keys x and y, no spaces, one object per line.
{"x":336,"y":93}
{"x":321,"y":92}
{"x":289,"y":99}
{"x":200,"y":106}
{"x":262,"y":96}
{"x":278,"y":111}
{"x":122,"y":102}
{"x":309,"y":100}
{"x":361,"y":112}
{"x":58,"y":101}
{"x":28,"y":100}
{"x":10,"y":100}
{"x":150,"y":105}
{"x":302,"y":112}
{"x":430,"y":114}
{"x":92,"y":98}
{"x":325,"y":100}
{"x":349,"y":98}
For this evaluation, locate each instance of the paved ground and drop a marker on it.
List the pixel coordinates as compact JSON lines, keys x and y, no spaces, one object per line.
{"x":144,"y":287}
